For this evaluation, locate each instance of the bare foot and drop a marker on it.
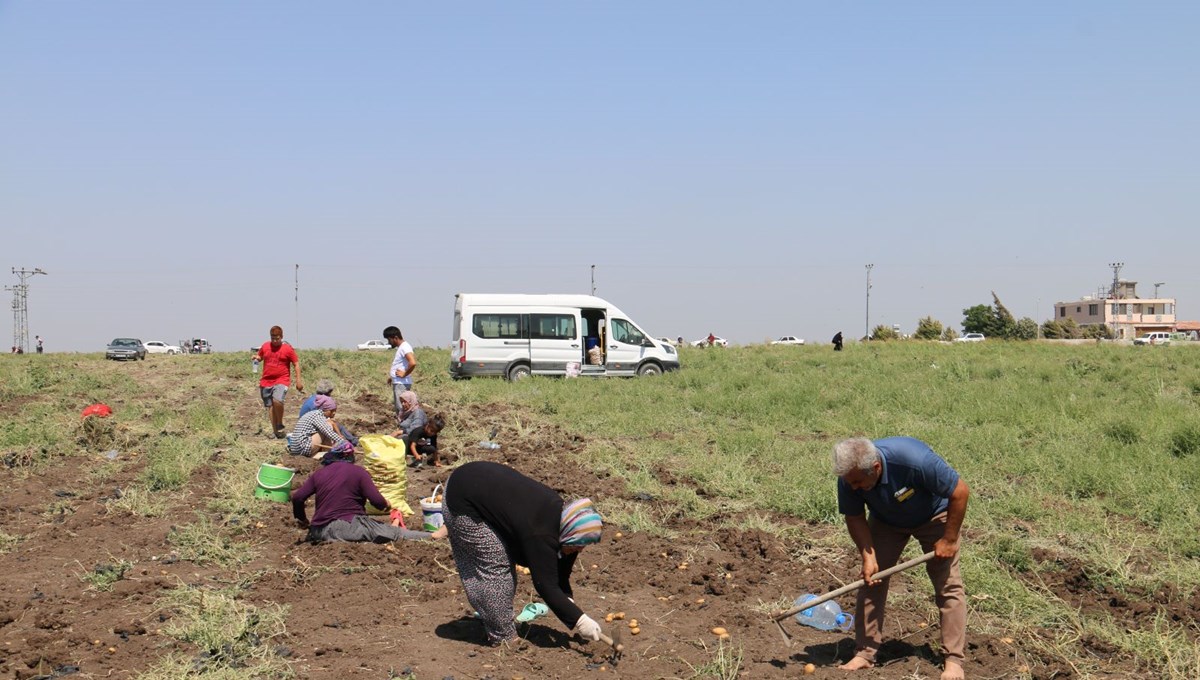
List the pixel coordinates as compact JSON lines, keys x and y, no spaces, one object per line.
{"x":953,"y":672}
{"x":857,"y":664}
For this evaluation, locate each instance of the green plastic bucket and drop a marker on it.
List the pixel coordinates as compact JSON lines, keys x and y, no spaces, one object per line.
{"x":274,"y":482}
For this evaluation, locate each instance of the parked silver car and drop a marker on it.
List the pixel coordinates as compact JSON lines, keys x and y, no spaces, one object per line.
{"x":126,"y":349}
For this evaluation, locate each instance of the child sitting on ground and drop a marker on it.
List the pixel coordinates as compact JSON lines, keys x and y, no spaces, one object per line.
{"x":422,"y":444}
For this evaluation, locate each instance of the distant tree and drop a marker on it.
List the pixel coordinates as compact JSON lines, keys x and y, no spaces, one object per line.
{"x":1065,"y":329}
{"x":978,"y":319}
{"x":883,"y":332}
{"x":928,"y":328}
{"x":1026,"y":329}
{"x":1004,"y":325}
{"x":949,"y":335}
{"x":1093,"y":331}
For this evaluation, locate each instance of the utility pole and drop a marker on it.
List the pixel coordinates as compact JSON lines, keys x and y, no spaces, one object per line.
{"x":1037,"y":312}
{"x":1156,"y":286}
{"x":297,"y":338}
{"x":1114,"y":308}
{"x":868,"y":329}
{"x":593,"y":279}
{"x":20,"y":306}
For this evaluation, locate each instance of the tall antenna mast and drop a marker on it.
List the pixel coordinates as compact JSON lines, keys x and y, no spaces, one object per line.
{"x":297,"y":337}
{"x":1116,"y":267}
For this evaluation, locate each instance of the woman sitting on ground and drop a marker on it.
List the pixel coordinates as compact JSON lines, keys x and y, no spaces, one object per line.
{"x":342,"y":491}
{"x":411,"y":417}
{"x":316,"y":432}
{"x":325,"y":388}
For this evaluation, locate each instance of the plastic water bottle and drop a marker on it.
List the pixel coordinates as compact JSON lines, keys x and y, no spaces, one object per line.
{"x":490,"y":445}
{"x":254,"y":365}
{"x":826,"y":616}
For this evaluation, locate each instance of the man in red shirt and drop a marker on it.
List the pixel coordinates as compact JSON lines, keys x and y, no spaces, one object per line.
{"x":277,"y":361}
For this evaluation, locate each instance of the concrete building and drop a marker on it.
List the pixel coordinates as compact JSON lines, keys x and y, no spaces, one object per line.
{"x":1127,"y":315}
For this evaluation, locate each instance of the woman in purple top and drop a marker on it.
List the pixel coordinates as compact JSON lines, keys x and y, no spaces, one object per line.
{"x":342,"y":490}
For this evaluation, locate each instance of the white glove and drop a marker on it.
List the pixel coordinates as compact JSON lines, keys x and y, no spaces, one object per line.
{"x":587,"y":628}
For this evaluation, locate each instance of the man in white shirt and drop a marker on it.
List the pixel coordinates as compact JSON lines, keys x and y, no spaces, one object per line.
{"x":403,"y":364}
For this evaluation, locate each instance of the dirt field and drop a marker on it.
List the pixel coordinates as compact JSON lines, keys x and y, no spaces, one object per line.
{"x":383,"y":611}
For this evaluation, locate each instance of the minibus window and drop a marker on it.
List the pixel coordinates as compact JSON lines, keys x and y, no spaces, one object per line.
{"x":552,"y":327}
{"x":504,"y":326}
{"x":623,"y":331}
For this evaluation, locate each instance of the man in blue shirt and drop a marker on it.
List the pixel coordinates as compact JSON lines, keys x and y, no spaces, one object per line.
{"x":911,"y":492}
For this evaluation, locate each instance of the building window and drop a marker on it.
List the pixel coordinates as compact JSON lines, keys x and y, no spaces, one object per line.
{"x":1078,"y":310}
{"x":1149,"y":309}
{"x":1062,"y":311}
{"x":1093,"y":310}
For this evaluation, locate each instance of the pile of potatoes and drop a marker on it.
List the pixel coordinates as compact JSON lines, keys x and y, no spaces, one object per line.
{"x":634,"y":627}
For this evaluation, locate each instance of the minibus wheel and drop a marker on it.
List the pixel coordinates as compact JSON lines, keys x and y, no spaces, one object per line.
{"x":649,"y":369}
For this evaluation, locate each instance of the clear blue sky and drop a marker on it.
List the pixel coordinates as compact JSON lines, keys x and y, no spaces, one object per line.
{"x":727,"y":167}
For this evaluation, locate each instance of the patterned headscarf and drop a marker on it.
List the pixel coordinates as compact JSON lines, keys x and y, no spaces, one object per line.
{"x":408,"y":401}
{"x":342,"y":452}
{"x":324,"y":402}
{"x":580,"y":524}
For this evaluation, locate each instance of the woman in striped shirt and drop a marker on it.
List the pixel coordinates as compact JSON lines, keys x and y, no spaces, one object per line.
{"x":315,"y":431}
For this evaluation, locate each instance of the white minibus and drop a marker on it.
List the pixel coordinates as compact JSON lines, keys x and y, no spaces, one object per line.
{"x":514,"y":336}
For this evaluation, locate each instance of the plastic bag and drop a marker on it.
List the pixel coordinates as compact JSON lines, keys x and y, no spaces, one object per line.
{"x":383,"y":458}
{"x":101,"y":410}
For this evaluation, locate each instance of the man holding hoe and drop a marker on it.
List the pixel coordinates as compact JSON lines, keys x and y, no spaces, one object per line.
{"x":912,"y":492}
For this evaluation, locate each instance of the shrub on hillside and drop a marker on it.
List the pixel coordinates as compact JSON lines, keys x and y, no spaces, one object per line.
{"x":1026,"y":329}
{"x":928,"y":328}
{"x":882,"y":332}
{"x":1094,"y":331}
{"x":1065,"y":329}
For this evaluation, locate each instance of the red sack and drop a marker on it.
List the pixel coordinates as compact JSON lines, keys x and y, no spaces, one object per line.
{"x":101,"y":410}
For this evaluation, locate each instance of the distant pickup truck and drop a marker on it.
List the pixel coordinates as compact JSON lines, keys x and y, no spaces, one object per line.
{"x":198,"y":346}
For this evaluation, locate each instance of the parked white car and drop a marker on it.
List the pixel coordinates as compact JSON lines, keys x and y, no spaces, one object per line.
{"x":375,"y":344}
{"x":717,"y":342}
{"x":970,"y":337}
{"x":788,"y":340}
{"x":1155,"y":338}
{"x":160,"y":347}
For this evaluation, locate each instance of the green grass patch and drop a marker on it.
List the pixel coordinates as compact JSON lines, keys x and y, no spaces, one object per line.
{"x":142,"y":501}
{"x":8,"y":542}
{"x":725,"y":663}
{"x":235,"y":639}
{"x":203,"y":542}
{"x":102,"y":577}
